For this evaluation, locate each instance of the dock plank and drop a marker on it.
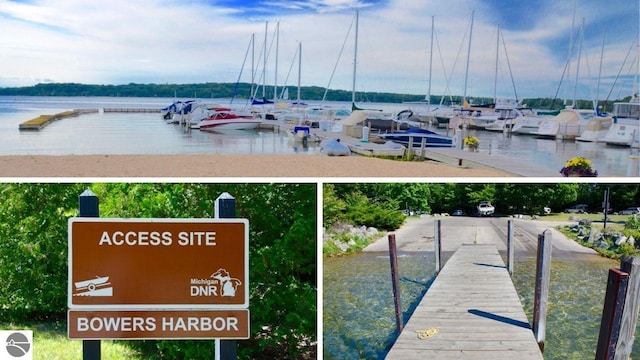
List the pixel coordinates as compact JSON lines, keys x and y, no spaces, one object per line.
{"x":476,"y":310}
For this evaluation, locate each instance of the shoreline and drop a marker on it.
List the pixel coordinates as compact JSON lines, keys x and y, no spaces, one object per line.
{"x":230,"y":166}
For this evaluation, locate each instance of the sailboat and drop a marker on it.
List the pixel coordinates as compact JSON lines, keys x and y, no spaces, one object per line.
{"x":372,"y":119}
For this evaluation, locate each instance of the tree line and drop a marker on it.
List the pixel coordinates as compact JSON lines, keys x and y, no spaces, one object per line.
{"x":244,"y":90}
{"x":353,"y":203}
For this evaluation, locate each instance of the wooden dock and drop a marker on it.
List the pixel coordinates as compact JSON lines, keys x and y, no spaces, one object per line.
{"x":471,"y":311}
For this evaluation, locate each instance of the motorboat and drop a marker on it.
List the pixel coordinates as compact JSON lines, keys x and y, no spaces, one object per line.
{"x":418,"y":137}
{"x":626,"y":128}
{"x":567,"y":125}
{"x":227,"y":120}
{"x":597,"y":127}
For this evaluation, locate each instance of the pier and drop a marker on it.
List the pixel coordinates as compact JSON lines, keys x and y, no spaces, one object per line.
{"x":41,"y":121}
{"x":471,"y":311}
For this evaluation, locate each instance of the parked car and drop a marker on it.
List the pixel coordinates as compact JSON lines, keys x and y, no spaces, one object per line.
{"x":630,"y":211}
{"x":457,"y":213}
{"x":485,"y":208}
{"x":578,"y":209}
{"x":546,"y":210}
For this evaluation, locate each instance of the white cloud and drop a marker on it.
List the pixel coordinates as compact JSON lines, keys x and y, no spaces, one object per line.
{"x":169,"y":41}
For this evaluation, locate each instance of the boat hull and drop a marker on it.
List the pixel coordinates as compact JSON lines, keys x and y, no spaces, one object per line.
{"x":236,"y":124}
{"x":417,"y":138}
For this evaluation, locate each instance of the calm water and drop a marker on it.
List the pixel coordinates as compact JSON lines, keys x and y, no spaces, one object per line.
{"x":148,"y":134}
{"x":122,"y":133}
{"x":358,"y":313}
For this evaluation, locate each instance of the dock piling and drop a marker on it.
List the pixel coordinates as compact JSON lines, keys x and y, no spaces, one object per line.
{"x":541,"y":296}
{"x":631,"y":266}
{"x":510,"y":247}
{"x":612,"y":314}
{"x":437,"y":245}
{"x":395,"y":281}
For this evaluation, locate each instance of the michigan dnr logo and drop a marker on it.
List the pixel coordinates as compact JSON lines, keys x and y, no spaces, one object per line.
{"x":219,"y":284}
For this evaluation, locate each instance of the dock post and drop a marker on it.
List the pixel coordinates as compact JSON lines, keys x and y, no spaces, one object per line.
{"x":88,"y":206}
{"x":510,"y":247}
{"x":437,"y":245}
{"x":410,"y":147}
{"x":423,"y":145}
{"x":612,"y":314}
{"x":541,"y":296}
{"x":395,"y":281}
{"x":631,"y":266}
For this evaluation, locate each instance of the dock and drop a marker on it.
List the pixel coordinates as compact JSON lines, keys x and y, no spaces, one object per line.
{"x":41,"y":121}
{"x":482,"y":160}
{"x":471,"y":311}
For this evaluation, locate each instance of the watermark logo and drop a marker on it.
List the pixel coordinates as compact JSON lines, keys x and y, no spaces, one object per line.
{"x":16,"y":345}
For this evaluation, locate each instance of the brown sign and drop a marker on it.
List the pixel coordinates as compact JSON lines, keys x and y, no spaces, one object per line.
{"x":158,"y":264}
{"x":158,"y":324}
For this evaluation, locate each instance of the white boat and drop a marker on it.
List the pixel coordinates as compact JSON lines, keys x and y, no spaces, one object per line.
{"x":92,"y":284}
{"x":567,"y":125}
{"x":227,"y":120}
{"x":597,"y":127}
{"x":626,"y":129}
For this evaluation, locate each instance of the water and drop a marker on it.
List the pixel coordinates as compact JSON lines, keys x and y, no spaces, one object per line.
{"x":358,"y":311}
{"x":123,"y":133}
{"x":147,"y":134}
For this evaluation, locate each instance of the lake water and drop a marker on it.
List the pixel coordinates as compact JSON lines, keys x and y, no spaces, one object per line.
{"x":358,"y":310}
{"x":139,"y":133}
{"x":123,"y":133}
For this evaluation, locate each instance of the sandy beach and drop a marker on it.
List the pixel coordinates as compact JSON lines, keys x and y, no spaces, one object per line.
{"x":228,"y":166}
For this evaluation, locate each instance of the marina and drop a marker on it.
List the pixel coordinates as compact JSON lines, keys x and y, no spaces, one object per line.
{"x":140,"y":130}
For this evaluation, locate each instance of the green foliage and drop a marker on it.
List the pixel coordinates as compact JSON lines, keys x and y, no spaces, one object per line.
{"x":283,"y":256}
{"x":382,"y":215}
{"x":33,"y":247}
{"x":332,"y":206}
{"x":243,"y":90}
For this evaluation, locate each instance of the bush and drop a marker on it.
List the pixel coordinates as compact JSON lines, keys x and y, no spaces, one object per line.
{"x":361,"y":211}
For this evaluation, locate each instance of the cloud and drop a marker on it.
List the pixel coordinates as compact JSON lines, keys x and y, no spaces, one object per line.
{"x":201,"y":41}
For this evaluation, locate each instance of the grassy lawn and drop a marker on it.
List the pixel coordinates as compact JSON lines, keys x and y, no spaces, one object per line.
{"x":618,"y":219}
{"x":50,"y":342}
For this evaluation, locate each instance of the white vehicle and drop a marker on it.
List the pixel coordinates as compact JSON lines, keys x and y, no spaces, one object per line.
{"x":485,"y":208}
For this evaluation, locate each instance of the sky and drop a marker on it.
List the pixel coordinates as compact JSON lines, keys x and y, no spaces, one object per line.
{"x":198,"y":41}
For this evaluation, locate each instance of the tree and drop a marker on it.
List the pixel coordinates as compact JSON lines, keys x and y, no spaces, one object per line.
{"x":283,"y":253}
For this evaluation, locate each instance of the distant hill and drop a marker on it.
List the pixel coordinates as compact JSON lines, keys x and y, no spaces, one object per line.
{"x":242,"y":90}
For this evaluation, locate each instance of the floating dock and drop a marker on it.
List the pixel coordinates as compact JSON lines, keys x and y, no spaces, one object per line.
{"x":41,"y":121}
{"x":471,"y":311}
{"x":44,"y":120}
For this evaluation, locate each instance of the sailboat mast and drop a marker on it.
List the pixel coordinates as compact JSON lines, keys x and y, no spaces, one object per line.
{"x":299,"y":69}
{"x":595,"y":103}
{"x":275,"y":79}
{"x":495,"y":77}
{"x":573,"y":21}
{"x":428,"y":98}
{"x":466,"y":75}
{"x":264,"y":62}
{"x":355,"y":61}
{"x":253,"y":57}
{"x":575,"y":88}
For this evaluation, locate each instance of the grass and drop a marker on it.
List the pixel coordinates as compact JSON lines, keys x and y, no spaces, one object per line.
{"x":50,"y":342}
{"x":621,"y":219}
